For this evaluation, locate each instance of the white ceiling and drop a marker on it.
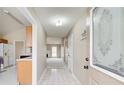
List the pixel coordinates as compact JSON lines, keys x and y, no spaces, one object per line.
{"x":48,"y":17}
{"x":8,"y":24}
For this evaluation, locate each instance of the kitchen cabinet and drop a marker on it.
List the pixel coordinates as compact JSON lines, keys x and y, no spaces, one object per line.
{"x":4,"y":41}
{"x":24,"y":71}
{"x":29,"y":36}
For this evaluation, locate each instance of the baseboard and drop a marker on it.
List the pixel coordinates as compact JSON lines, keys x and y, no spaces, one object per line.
{"x":42,"y":75}
{"x":76,"y":78}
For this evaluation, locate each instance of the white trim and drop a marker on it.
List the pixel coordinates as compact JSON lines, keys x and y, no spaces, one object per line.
{"x":120,"y":78}
{"x":42,"y":75}
{"x":30,"y":18}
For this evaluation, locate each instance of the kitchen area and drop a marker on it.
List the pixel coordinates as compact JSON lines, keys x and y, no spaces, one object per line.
{"x":17,"y":57}
{"x":24,"y":62}
{"x":15,"y":48}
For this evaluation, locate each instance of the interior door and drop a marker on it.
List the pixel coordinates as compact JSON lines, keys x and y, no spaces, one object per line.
{"x":84,"y":57}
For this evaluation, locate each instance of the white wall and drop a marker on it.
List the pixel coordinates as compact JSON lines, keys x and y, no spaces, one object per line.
{"x":39,"y":38}
{"x":80,"y":51}
{"x":54,"y":40}
{"x":41,"y":51}
{"x":18,"y":34}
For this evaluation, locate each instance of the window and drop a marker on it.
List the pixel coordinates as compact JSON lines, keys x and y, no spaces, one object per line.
{"x":54,"y":51}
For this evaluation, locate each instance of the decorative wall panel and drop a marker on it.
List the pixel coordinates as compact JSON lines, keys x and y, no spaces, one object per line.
{"x":107,"y":43}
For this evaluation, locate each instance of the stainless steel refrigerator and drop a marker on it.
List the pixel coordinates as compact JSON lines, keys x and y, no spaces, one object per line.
{"x":4,"y":53}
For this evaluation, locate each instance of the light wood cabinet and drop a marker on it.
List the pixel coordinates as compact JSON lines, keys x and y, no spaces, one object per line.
{"x":24,"y":72}
{"x":29,"y":36}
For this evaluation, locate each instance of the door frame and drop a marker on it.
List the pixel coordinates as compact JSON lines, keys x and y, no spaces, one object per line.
{"x":25,"y":11}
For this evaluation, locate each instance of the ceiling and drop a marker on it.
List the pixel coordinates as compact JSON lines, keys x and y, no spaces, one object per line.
{"x":49,"y":17}
{"x":12,"y":22}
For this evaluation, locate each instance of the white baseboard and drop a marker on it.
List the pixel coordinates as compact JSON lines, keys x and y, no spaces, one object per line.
{"x":42,"y":75}
{"x":76,"y":78}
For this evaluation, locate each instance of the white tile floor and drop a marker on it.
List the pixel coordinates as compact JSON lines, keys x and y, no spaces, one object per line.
{"x":55,"y":63}
{"x":8,"y":77}
{"x":57,"y":74}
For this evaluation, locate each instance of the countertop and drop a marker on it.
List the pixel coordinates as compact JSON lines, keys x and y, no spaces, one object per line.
{"x":26,"y":59}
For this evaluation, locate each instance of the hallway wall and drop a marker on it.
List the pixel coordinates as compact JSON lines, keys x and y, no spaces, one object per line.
{"x":18,"y":34}
{"x":41,"y":53}
{"x":94,"y":76}
{"x":80,"y":51}
{"x":54,"y":40}
{"x":41,"y":46}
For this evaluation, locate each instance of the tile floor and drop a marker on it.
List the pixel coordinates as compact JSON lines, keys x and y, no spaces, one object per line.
{"x":55,"y":63}
{"x":57,"y":74}
{"x":8,"y":77}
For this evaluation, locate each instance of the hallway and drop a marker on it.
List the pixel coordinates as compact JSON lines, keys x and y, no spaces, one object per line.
{"x":57,"y":74}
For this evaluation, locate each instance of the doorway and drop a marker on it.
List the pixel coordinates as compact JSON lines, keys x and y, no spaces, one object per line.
{"x":54,"y":51}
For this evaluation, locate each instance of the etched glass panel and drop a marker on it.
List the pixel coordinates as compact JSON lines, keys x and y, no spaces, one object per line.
{"x":108,"y":36}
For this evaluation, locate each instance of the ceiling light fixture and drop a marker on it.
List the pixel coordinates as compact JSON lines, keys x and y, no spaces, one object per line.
{"x":59,"y":23}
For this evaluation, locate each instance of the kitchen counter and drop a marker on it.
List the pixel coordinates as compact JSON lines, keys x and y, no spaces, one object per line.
{"x":24,"y":59}
{"x":24,"y":70}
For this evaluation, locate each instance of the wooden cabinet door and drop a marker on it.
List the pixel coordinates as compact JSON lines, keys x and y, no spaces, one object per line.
{"x":24,"y":72}
{"x":29,"y":36}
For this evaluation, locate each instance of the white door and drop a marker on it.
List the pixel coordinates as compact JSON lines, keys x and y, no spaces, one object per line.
{"x":84,"y":53}
{"x":5,"y":53}
{"x":70,"y":53}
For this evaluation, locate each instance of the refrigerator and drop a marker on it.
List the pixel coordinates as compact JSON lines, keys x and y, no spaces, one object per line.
{"x":4,"y":53}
